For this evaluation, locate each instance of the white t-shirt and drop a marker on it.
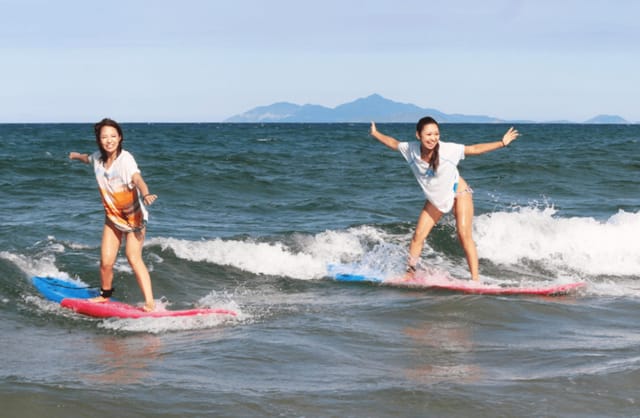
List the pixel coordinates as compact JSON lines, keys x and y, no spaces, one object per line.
{"x":121,"y":199}
{"x":438,"y":187}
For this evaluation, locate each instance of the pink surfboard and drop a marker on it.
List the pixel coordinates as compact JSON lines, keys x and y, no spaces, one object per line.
{"x":446,"y":283}
{"x":113,"y":309}
{"x":479,"y":288}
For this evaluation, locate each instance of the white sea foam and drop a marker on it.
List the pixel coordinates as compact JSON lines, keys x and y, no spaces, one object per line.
{"x":213,"y":300}
{"x":255,"y":257}
{"x":168,"y":324}
{"x":581,"y":245}
{"x":277,"y":258}
{"x":43,"y":265}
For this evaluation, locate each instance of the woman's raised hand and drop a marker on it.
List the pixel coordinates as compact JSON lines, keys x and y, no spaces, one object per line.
{"x":510,"y":136}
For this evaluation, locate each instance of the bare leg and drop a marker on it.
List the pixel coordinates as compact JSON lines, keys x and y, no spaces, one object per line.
{"x":428,"y":218}
{"x":135,"y":240}
{"x":111,"y":240}
{"x":463,"y":210}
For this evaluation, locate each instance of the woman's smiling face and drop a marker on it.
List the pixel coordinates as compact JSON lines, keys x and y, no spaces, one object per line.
{"x":109,"y":139}
{"x":429,"y":136}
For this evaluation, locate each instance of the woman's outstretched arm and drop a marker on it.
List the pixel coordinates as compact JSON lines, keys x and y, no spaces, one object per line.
{"x":478,"y":149}
{"x":385,"y":139}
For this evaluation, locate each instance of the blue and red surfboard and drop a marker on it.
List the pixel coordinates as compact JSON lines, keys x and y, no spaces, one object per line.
{"x":424,"y":280}
{"x":75,"y":296}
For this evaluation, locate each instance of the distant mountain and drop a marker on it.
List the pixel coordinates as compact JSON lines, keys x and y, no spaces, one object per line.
{"x":608,"y":119}
{"x":374,"y":107}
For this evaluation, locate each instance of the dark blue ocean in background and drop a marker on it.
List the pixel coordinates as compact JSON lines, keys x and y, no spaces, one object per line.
{"x":250,"y":216}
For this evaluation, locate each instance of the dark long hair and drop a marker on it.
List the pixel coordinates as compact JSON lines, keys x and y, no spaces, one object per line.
{"x":435,"y":156}
{"x":98,"y":127}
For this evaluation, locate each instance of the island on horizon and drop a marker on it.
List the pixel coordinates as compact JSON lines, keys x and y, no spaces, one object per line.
{"x":378,"y":108}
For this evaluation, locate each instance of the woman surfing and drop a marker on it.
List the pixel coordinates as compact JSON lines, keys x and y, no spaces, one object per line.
{"x":435,"y":166}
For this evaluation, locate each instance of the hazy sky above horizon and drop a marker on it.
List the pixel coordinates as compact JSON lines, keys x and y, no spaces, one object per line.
{"x":205,"y":61}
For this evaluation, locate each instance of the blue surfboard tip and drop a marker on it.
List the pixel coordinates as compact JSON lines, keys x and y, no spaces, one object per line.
{"x":343,"y":277}
{"x":55,"y":289}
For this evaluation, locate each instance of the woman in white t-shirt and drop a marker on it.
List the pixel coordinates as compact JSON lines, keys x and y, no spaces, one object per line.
{"x":434,"y":163}
{"x":124,"y":194}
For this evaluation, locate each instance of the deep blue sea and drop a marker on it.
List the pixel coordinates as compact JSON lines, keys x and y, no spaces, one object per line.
{"x":250,"y":216}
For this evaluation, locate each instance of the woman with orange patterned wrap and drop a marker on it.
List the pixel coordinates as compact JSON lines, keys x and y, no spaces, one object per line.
{"x":124,"y":196}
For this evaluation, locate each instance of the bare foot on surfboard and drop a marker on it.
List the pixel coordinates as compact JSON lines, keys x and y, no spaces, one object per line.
{"x":408,"y":276}
{"x":149,"y":306}
{"x":99,"y":299}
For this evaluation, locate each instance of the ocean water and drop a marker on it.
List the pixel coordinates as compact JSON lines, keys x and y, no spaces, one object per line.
{"x":250,"y":216}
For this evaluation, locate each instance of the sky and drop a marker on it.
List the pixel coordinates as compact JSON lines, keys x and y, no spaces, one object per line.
{"x":208,"y":60}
